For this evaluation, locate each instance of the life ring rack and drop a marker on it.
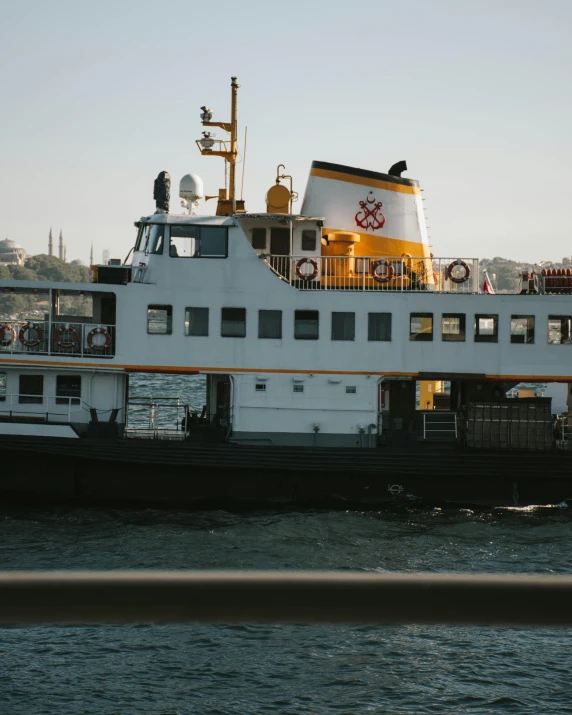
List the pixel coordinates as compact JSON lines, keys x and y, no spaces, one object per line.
{"x":67,"y":331}
{"x":7,"y":335}
{"x":307,"y":276}
{"x":26,"y":341}
{"x":389,"y":271}
{"x":466,"y":275}
{"x":98,"y":331}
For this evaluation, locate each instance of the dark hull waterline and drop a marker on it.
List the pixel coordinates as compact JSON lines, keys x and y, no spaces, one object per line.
{"x":181,"y":474}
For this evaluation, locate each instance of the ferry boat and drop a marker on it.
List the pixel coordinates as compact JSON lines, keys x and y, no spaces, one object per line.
{"x":344,"y":361}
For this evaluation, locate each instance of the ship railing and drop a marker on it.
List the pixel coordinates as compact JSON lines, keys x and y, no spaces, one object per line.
{"x":283,"y":597}
{"x":59,"y":337}
{"x":377,"y":273}
{"x":40,"y":408}
{"x":439,"y":426}
{"x":156,"y":417}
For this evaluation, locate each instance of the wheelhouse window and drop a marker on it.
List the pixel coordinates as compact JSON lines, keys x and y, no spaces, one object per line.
{"x":486,"y":328}
{"x":522,"y":329}
{"x":68,"y":389}
{"x":379,"y":327}
{"x":453,"y":327}
{"x":31,"y":390}
{"x":560,"y":329}
{"x":156,"y":238}
{"x":270,"y":324}
{"x":343,"y":326}
{"x":150,"y":238}
{"x":197,"y":321}
{"x":259,"y":238}
{"x":306,"y":324}
{"x":298,"y":388}
{"x":421,"y":326}
{"x":160,"y":319}
{"x":192,"y":241}
{"x":233,"y":323}
{"x":142,"y":243}
{"x":3,"y":383}
{"x":309,"y":239}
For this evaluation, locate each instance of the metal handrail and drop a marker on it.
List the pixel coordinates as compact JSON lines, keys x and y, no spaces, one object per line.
{"x":98,"y":597}
{"x":377,"y":273}
{"x":427,"y":423}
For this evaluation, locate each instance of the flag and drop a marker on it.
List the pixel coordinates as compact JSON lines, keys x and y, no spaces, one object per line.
{"x":487,"y":285}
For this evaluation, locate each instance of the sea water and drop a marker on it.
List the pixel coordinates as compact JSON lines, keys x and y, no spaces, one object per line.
{"x":254,"y":669}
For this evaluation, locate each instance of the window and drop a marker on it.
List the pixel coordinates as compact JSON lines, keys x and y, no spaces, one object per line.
{"x":298,"y":388}
{"x":192,"y":241}
{"x":260,"y":387}
{"x":306,"y":324}
{"x":142,"y":243}
{"x":308,"y":240}
{"x":68,"y":389}
{"x":421,"y":326}
{"x":3,"y":382}
{"x":351,"y":389}
{"x":453,"y":327}
{"x":343,"y":326}
{"x":270,"y":324}
{"x":160,"y":319}
{"x":31,"y":390}
{"x":233,"y":323}
{"x":379,"y":326}
{"x":259,"y":238}
{"x":560,"y":329}
{"x":156,"y":238}
{"x":486,"y":328}
{"x":197,"y":321}
{"x":522,"y":328}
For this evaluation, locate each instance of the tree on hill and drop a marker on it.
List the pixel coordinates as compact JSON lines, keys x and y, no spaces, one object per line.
{"x":50,"y":268}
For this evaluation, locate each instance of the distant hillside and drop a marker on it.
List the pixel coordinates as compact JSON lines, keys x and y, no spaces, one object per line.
{"x":504,"y":272}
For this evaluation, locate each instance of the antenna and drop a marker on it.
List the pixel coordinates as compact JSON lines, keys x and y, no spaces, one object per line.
{"x":243,"y":163}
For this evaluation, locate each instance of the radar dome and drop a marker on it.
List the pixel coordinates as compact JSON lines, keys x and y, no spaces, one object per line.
{"x":191,"y":187}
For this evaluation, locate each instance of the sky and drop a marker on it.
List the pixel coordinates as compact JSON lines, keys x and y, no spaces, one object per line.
{"x":98,"y":97}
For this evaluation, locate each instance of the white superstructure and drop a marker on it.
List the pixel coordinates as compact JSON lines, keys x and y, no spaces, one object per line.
{"x":308,"y":327}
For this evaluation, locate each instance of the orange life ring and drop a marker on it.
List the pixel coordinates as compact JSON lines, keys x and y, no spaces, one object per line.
{"x":7,"y":340}
{"x":35,"y":341}
{"x":71,"y":333}
{"x":389,"y":271}
{"x":98,"y":331}
{"x":307,"y":276}
{"x":465,"y":277}
{"x":7,"y":335}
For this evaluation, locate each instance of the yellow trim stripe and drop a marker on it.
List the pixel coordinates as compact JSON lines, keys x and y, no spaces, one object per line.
{"x":180,"y":370}
{"x":364,"y":181}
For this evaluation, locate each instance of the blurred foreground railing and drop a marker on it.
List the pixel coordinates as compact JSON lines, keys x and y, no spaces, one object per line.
{"x":283,"y":597}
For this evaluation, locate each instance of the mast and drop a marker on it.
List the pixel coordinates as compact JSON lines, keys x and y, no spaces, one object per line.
{"x":225,"y":148}
{"x":233,"y":150}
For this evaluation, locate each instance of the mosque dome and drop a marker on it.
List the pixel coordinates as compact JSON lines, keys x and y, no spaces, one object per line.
{"x":9,"y":246}
{"x":12,"y":252}
{"x":78,"y":262}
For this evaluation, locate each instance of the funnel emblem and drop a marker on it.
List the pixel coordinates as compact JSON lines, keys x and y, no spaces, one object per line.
{"x":369,"y":214}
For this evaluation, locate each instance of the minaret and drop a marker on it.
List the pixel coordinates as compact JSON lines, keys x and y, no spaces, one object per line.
{"x":65,"y":254}
{"x":61,"y":247}
{"x":51,"y":244}
{"x":91,"y":256}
